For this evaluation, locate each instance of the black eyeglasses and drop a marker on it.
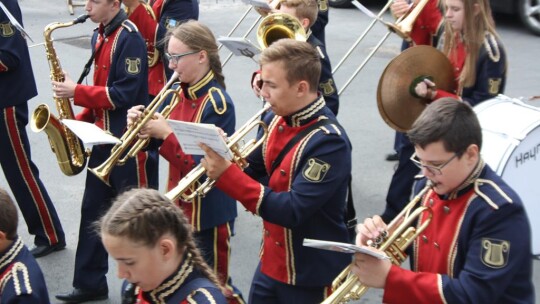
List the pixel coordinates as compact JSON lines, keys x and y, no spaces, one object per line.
{"x":174,"y":58}
{"x":435,"y":170}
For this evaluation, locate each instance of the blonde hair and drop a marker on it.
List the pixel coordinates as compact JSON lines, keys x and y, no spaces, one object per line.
{"x":304,"y":9}
{"x":300,"y":60}
{"x":475,"y":28}
{"x":199,"y":37}
{"x":143,"y":216}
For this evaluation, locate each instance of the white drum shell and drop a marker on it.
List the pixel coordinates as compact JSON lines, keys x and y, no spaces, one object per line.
{"x":511,"y":147}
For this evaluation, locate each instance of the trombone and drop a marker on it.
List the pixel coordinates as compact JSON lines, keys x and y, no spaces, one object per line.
{"x":240,"y":153}
{"x":129,"y":141}
{"x":346,"y":285}
{"x":274,"y":4}
{"x":402,"y":28}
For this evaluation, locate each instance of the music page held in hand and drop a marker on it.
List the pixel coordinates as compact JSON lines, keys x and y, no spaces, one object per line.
{"x":343,"y":247}
{"x":190,"y":134}
{"x":89,"y":133}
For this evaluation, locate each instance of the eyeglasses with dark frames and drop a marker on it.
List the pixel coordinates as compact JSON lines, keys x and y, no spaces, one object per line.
{"x":435,"y":170}
{"x":174,"y":58}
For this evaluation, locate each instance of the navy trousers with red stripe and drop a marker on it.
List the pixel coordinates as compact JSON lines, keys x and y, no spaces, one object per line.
{"x":215,"y":247}
{"x":23,"y":178}
{"x":91,"y":258}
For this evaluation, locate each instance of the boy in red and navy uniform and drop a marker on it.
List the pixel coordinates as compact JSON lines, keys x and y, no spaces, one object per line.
{"x":168,"y":14}
{"x":120,"y":82}
{"x":21,"y":279}
{"x":17,"y":86}
{"x":477,"y":247}
{"x":304,"y":196}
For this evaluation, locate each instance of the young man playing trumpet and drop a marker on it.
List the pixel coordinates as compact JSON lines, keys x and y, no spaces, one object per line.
{"x":477,"y":247}
{"x":306,"y":191}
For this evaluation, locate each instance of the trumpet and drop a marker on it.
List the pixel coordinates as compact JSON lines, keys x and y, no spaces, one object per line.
{"x":346,"y":285}
{"x":129,"y":139}
{"x":240,"y":153}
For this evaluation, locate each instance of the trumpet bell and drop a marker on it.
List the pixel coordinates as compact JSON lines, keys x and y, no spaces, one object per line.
{"x":397,"y":103}
{"x":278,"y":26}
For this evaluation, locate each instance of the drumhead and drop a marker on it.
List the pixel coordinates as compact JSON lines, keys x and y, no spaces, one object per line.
{"x":511,"y":147}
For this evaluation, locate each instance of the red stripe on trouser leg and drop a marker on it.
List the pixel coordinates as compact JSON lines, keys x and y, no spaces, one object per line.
{"x":24,"y":166}
{"x":222,"y":252}
{"x":142,"y":157}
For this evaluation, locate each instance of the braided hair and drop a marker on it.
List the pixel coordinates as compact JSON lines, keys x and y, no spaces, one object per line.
{"x":144,"y":215}
{"x":199,"y":37}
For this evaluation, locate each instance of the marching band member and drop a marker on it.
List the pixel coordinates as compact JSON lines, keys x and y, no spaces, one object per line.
{"x":168,"y":14}
{"x":193,"y":54}
{"x":21,"y":279}
{"x":319,"y":26}
{"x":306,"y":12}
{"x":306,"y":190}
{"x":427,"y":29}
{"x":472,"y":45}
{"x":477,"y":248}
{"x":151,"y":240}
{"x":120,"y":82}
{"x":17,"y":86}
{"x":474,"y":48}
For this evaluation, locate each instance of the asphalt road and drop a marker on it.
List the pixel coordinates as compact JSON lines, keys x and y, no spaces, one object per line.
{"x":370,"y":136}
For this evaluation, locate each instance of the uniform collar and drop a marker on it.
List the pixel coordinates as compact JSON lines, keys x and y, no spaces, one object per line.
{"x":108,"y":29}
{"x":173,"y":283}
{"x":7,"y":257}
{"x":200,"y":88}
{"x":469,"y":181}
{"x":307,"y":114}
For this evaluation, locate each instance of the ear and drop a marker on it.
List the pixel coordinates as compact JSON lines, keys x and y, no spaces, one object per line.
{"x":473,"y":153}
{"x":476,"y":9}
{"x":305,"y":23}
{"x":303,"y":87}
{"x":3,"y":236}
{"x":203,"y":56}
{"x":167,"y":248}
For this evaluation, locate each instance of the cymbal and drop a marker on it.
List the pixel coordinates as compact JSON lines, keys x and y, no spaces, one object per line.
{"x":397,"y":105}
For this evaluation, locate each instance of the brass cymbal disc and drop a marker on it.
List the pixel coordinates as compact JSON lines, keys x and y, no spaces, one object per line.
{"x":397,"y":105}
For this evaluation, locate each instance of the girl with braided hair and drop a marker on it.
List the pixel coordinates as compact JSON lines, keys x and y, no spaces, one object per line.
{"x":192,"y":52}
{"x":151,"y":240}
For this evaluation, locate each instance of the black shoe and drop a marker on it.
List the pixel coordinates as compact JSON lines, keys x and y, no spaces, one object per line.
{"x":78,"y":295}
{"x":43,"y":250}
{"x":392,"y":157}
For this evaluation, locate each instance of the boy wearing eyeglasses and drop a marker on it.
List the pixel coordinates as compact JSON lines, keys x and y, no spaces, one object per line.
{"x":477,"y":247}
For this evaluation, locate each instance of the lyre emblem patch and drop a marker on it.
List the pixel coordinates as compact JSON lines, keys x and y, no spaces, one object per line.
{"x":6,"y":30}
{"x":315,"y":170}
{"x":323,"y":5}
{"x":133,"y":66}
{"x":171,"y":23}
{"x":494,"y":85}
{"x":495,"y":252}
{"x":327,"y":87}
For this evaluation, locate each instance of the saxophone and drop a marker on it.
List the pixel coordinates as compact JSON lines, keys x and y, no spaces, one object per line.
{"x":65,"y":144}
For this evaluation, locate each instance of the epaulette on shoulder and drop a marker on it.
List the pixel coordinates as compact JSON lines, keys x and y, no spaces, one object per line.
{"x":491,"y":46}
{"x":218,"y":100}
{"x":492,"y":194}
{"x":331,"y":128}
{"x":18,"y":274}
{"x":130,"y":26}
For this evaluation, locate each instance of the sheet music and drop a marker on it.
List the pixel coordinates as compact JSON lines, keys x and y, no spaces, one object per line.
{"x":343,"y":247}
{"x":190,"y":134}
{"x":240,"y":46}
{"x":89,"y":133}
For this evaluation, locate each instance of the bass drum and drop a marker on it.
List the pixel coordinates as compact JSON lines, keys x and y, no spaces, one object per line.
{"x":511,"y":147}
